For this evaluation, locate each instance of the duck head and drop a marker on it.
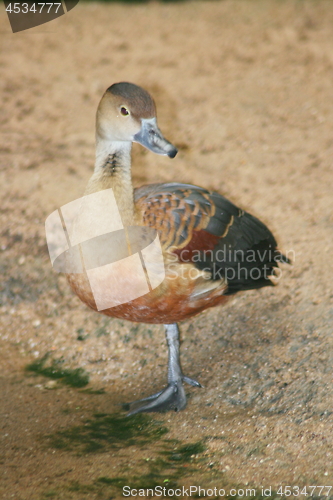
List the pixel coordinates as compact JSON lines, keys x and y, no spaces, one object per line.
{"x":127,"y":113}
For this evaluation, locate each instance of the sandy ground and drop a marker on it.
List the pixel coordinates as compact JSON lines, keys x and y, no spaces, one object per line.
{"x":244,"y":89}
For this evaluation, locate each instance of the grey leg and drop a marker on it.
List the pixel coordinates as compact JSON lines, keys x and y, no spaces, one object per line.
{"x":173,"y":397}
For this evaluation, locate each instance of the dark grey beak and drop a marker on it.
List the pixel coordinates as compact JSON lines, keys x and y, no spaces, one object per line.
{"x":151,"y":138}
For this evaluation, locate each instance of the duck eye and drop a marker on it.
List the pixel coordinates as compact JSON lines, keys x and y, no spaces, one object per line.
{"x":124,"y":111}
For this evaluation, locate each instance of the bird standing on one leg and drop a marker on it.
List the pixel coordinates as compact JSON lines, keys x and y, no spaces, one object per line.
{"x":211,"y":248}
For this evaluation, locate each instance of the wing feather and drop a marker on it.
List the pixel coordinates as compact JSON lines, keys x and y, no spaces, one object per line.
{"x":212,"y":233}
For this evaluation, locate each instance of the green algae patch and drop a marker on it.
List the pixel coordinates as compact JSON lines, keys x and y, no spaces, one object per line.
{"x":107,"y":431}
{"x":156,"y":461}
{"x":171,"y":463}
{"x":77,"y":377}
{"x":157,"y":473}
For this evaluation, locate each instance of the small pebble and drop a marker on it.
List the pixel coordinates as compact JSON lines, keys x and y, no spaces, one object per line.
{"x":51,"y":384}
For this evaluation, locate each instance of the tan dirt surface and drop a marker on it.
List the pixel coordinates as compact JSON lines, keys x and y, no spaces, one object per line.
{"x":245,"y":90}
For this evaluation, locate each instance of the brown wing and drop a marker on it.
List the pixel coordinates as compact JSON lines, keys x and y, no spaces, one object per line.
{"x":212,"y":233}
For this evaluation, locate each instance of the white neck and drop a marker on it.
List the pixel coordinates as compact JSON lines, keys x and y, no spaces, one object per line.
{"x":113,"y":170}
{"x":104,"y":148}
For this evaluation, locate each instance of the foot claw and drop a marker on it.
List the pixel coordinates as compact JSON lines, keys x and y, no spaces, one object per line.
{"x":191,"y":381}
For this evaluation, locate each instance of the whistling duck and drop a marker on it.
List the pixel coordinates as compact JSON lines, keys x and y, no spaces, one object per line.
{"x":211,"y":248}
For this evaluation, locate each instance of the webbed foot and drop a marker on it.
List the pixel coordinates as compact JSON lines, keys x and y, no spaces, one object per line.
{"x":173,"y":397}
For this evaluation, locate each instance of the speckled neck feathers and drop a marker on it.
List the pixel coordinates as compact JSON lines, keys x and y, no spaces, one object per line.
{"x":113,"y":170}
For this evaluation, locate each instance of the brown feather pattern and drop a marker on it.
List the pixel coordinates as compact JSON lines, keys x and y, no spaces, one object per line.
{"x":191,"y":222}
